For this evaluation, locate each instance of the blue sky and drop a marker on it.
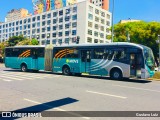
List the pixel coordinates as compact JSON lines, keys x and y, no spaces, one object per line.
{"x":147,"y":10}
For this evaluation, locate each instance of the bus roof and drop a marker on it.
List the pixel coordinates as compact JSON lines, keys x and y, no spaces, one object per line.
{"x":84,"y":45}
{"x":103,"y":44}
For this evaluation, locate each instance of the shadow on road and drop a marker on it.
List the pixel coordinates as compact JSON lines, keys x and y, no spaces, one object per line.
{"x":89,"y":76}
{"x":42,"y":107}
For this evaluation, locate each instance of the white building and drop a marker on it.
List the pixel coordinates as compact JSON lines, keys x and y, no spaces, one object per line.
{"x":62,"y":26}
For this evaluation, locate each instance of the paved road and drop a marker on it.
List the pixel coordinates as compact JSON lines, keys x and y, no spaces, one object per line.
{"x":55,"y":92}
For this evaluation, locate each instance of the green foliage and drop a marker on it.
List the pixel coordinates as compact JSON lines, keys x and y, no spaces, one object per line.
{"x":144,"y":33}
{"x":34,"y":41}
{"x":15,"y":40}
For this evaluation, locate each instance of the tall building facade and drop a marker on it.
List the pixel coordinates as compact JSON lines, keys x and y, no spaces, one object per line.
{"x":16,"y":14}
{"x":62,"y":26}
{"x":104,"y":4}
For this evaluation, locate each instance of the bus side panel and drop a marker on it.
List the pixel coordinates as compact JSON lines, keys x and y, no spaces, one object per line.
{"x":15,"y":62}
{"x":96,"y":67}
{"x":73,"y":64}
{"x":41,"y":63}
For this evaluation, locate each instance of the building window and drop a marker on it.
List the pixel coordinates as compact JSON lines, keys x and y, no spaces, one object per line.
{"x":102,"y":21}
{"x":48,"y":22}
{"x":74,"y":17}
{"x":54,"y":21}
{"x":60,"y":20}
{"x":33,"y":19}
{"x":95,"y":33}
{"x":107,"y":30}
{"x":43,"y":35}
{"x":21,"y":22}
{"x":108,"y":16}
{"x":48,"y":28}
{"x":95,"y":40}
{"x":54,"y":41}
{"x":29,"y":26}
{"x":96,"y":26}
{"x":101,"y":41}
{"x":97,"y":19}
{"x":54,"y":27}
{"x":33,"y":25}
{"x":90,"y":16}
{"x":20,"y":27}
{"x":89,"y":40}
{"x":101,"y":35}
{"x":66,"y":33}
{"x":48,"y":35}
{"x":67,"y":26}
{"x":49,"y":15}
{"x":43,"y":17}
{"x":25,"y":27}
{"x":55,"y":14}
{"x":33,"y":31}
{"x":53,"y":34}
{"x":74,"y":24}
{"x":38,"y":30}
{"x":43,"y":23}
{"x":102,"y":28}
{"x":60,"y":12}
{"x":25,"y":21}
{"x":68,"y":11}
{"x":67,"y":18}
{"x":74,"y":9}
{"x":16,"y":28}
{"x":66,"y":40}
{"x":29,"y":20}
{"x":90,"y":32}
{"x":97,"y":11}
{"x":108,"y":23}
{"x":38,"y":24}
{"x":17,"y":22}
{"x":90,"y":24}
{"x":60,"y":27}
{"x":43,"y":29}
{"x":60,"y":41}
{"x":74,"y":32}
{"x":102,"y":14}
{"x":38,"y":17}
{"x":60,"y":34}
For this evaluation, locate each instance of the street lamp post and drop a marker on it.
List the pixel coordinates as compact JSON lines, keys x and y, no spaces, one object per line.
{"x":112,"y":22}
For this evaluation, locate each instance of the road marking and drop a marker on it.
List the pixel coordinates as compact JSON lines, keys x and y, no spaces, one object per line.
{"x":10,"y":78}
{"x":7,"y":80}
{"x":137,"y":88}
{"x":106,"y":94}
{"x":58,"y":109}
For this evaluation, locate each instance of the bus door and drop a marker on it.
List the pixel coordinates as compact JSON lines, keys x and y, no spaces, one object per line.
{"x":85,"y":60}
{"x":135,"y":64}
{"x":34,"y":58}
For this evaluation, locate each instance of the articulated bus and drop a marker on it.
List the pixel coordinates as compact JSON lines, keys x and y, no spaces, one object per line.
{"x":117,"y":60}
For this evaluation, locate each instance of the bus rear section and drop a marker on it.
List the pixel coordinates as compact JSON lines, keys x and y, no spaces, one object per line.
{"x":24,"y":58}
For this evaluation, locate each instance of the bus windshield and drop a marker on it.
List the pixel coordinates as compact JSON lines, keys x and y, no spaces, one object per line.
{"x":149,"y":58}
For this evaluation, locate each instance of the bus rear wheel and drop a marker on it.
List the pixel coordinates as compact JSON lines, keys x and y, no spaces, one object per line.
{"x":116,"y":74}
{"x":66,"y":70}
{"x":24,"y":68}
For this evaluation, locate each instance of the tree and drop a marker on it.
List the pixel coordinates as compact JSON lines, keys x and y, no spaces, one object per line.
{"x":15,"y":40}
{"x":144,"y":33}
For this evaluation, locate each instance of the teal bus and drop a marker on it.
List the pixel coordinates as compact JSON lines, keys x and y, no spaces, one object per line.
{"x":117,"y":60}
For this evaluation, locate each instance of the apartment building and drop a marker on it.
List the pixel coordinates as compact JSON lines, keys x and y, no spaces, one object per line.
{"x":62,"y":26}
{"x":16,"y":14}
{"x":104,"y":4}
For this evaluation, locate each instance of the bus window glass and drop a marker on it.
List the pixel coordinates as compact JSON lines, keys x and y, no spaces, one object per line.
{"x":98,"y":54}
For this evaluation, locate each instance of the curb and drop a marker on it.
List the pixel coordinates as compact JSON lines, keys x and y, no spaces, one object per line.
{"x":154,"y":79}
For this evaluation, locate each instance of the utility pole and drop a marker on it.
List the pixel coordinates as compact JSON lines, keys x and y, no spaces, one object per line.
{"x":112,"y":22}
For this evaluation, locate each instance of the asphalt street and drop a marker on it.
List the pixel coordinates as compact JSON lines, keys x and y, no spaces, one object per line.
{"x":45,"y":91}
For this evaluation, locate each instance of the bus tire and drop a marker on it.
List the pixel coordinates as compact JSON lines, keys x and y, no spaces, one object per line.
{"x":66,"y":70}
{"x":116,"y":74}
{"x":24,"y":68}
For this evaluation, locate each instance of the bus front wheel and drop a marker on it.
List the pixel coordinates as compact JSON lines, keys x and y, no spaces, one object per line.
{"x":24,"y":68}
{"x":116,"y":74}
{"x":66,"y":70}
